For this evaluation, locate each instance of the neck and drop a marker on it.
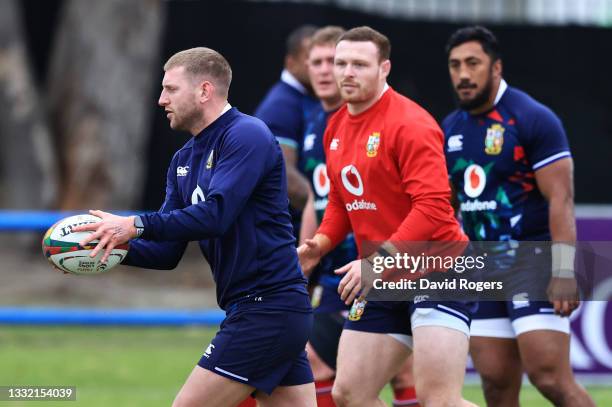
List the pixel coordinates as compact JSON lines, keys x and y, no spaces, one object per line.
{"x":356,"y":108}
{"x":211,"y":113}
{"x":330,"y":105}
{"x":485,"y":107}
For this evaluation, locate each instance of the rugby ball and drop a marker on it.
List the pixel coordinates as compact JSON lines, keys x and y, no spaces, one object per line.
{"x":61,"y":247}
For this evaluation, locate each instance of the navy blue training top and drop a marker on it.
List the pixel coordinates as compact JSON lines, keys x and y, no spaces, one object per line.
{"x":226,"y":188}
{"x":492,"y":159}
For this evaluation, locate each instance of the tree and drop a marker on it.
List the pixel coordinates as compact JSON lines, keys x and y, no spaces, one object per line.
{"x":27,"y":166}
{"x":100,"y":94}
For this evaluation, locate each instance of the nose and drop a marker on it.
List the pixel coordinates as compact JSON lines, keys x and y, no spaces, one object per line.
{"x":349,"y":71}
{"x":163,"y":99}
{"x":464,"y":72}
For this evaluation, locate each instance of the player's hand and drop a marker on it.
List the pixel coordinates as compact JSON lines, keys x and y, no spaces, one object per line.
{"x":563,"y":294}
{"x":112,"y":231}
{"x":351,"y":285}
{"x":309,"y":255}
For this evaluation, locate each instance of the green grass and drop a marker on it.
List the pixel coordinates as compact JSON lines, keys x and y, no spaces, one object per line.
{"x":132,"y":366}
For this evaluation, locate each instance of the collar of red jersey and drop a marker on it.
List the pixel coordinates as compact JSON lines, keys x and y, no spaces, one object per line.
{"x":500,"y":91}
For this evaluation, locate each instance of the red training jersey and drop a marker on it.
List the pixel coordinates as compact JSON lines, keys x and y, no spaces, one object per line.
{"x":388,"y":177}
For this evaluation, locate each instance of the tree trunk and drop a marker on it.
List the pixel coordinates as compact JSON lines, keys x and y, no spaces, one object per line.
{"x":27,"y":166}
{"x":104,"y":61}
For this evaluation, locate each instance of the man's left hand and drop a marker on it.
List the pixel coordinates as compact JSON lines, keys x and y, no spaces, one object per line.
{"x":112,"y":231}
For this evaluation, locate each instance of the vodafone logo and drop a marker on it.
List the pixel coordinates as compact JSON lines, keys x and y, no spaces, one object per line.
{"x":352,"y":180}
{"x":320,"y":180}
{"x":474,"y":180}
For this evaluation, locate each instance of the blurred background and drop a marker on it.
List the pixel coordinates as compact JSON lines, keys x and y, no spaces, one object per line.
{"x":80,"y":127}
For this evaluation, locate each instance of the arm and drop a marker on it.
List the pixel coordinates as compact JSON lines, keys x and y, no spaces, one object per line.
{"x":420,"y":156}
{"x":243,"y":159}
{"x":159,"y":255}
{"x":242,"y":163}
{"x":555,"y":182}
{"x":297,"y":184}
{"x":308,"y":226}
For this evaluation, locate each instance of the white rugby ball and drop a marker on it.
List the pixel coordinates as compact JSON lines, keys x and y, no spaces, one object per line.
{"x":61,"y":247}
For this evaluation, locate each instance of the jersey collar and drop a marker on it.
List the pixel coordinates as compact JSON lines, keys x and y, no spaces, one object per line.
{"x":292,"y":81}
{"x":500,"y":91}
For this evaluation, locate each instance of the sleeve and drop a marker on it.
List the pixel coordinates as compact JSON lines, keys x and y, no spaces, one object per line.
{"x":546,"y":141}
{"x":159,"y":255}
{"x":283,"y":116}
{"x":243,"y":155}
{"x":335,"y":224}
{"x":419,"y":153}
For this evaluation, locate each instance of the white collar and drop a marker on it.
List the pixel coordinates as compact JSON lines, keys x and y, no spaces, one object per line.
{"x":500,"y":91}
{"x":292,"y":81}
{"x":226,"y":108}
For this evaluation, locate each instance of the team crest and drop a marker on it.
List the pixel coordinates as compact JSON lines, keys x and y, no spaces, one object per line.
{"x":495,"y":139}
{"x":373,"y":144}
{"x":357,"y":310}
{"x":209,"y":162}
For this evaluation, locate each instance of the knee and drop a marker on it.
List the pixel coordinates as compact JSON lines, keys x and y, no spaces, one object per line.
{"x":343,"y":395}
{"x":547,"y":382}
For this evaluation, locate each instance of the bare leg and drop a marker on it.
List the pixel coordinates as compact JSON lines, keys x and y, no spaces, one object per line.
{"x":545,"y":355}
{"x":498,"y":362}
{"x":205,"y":388}
{"x":440,"y":357}
{"x":289,"y":396}
{"x":366,"y":363}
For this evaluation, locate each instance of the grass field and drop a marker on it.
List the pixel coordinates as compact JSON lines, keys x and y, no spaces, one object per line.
{"x":132,"y":366}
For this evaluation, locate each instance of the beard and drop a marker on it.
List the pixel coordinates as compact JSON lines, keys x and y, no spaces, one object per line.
{"x":480,"y":99}
{"x":186,"y":121}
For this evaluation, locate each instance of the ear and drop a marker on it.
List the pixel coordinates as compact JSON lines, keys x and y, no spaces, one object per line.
{"x":206,"y":91}
{"x":385,"y":67}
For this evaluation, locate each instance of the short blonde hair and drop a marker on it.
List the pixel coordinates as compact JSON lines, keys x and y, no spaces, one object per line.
{"x":202,"y":61}
{"x":328,"y":35}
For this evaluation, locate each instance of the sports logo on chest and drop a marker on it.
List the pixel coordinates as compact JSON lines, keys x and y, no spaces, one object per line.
{"x":373,"y":144}
{"x":210,"y":161}
{"x":494,"y":140}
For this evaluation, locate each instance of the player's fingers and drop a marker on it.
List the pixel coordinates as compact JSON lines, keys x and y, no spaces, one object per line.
{"x":353,"y":294}
{"x":345,"y":280}
{"x":347,"y":287}
{"x":107,"y":252}
{"x":343,"y":269}
{"x":310,"y":243}
{"x":86,"y":228}
{"x":98,"y":213}
{"x":96,"y":235}
{"x":565,"y":308}
{"x":100,"y":246}
{"x":557,"y":306}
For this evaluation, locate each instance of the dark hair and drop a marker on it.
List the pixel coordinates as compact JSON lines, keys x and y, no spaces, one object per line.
{"x":295,"y":40}
{"x":486,"y":38}
{"x":365,"y":33}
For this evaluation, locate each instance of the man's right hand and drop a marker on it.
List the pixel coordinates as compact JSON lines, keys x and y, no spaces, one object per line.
{"x":309,"y":255}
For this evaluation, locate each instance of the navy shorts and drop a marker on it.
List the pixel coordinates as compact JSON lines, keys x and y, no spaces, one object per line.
{"x":398,"y":318}
{"x":262,"y":342}
{"x":526,"y":306}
